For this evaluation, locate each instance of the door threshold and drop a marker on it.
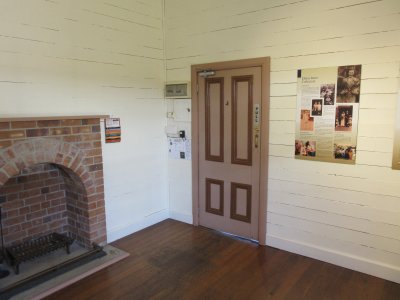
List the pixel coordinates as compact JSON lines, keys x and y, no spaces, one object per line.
{"x":240,"y":237}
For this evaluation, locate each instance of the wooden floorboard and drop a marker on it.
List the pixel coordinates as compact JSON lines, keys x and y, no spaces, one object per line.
{"x":173,"y":260}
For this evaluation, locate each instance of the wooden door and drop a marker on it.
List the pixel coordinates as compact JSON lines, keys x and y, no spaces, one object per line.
{"x":229,"y":150}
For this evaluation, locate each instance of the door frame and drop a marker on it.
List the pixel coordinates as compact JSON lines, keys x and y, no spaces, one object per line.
{"x":264,"y":63}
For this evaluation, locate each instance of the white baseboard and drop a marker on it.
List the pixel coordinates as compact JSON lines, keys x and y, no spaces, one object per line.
{"x":183,"y":217}
{"x":116,"y":233}
{"x":345,"y":260}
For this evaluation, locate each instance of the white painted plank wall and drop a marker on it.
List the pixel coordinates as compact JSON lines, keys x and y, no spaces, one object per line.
{"x":348,"y":215}
{"x":60,"y":57}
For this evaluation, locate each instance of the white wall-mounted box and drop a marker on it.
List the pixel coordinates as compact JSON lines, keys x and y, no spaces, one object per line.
{"x":176,"y":90}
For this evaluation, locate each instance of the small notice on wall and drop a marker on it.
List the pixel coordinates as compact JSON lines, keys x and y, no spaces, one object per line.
{"x":396,"y":144}
{"x":328,"y":101}
{"x":180,"y":148}
{"x":113,"y":130}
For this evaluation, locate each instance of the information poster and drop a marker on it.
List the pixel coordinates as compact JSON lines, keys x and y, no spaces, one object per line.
{"x":113,"y":130}
{"x":328,"y":101}
{"x":180,"y":148}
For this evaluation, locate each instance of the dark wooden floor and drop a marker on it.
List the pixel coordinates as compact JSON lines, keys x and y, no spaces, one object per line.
{"x":172,"y":260}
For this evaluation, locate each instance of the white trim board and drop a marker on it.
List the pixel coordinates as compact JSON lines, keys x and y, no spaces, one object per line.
{"x":122,"y":231}
{"x":356,"y":263}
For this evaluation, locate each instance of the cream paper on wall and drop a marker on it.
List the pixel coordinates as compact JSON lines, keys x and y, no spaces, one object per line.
{"x":396,"y":143}
{"x":328,"y":101}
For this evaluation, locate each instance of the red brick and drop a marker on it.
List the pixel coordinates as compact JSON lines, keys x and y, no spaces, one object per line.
{"x":59,"y":158}
{"x":96,"y":128}
{"x":37,"y":222}
{"x":91,"y":190}
{"x":24,"y":210}
{"x":33,"y":184}
{"x":76,"y":163}
{"x":57,"y":224}
{"x":71,"y":122}
{"x":23,"y":124}
{"x":9,"y":188}
{"x":100,"y":203}
{"x":14,"y":221}
{"x":67,"y":160}
{"x":94,"y":198}
{"x":92,"y":205}
{"x":81,"y":129}
{"x":55,"y":188}
{"x":12,"y":197}
{"x":4,"y":125}
{"x":96,"y":167}
{"x":98,"y":174}
{"x":14,"y":204}
{"x":12,"y":213}
{"x":91,"y":137}
{"x":53,"y":181}
{"x":85,"y":176}
{"x":26,"y":225}
{"x":28,"y":194}
{"x":90,"y":121}
{"x":72,"y":138}
{"x":98,"y":211}
{"x":88,"y":161}
{"x":56,"y":195}
{"x":98,"y":226}
{"x":37,"y":132}
{"x":55,"y":202}
{"x":55,"y":209}
{"x":60,"y":131}
{"x":49,"y":123}
{"x":88,"y":184}
{"x":12,"y":134}
{"x":35,"y":207}
{"x":84,"y":145}
{"x":35,"y":215}
{"x":93,"y":152}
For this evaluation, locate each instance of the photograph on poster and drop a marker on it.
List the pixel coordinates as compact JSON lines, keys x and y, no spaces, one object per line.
{"x":316,"y":107}
{"x":306,"y":121}
{"x":305,"y":148}
{"x":344,"y":118}
{"x":348,"y":84}
{"x":327,"y":92}
{"x":344,"y":152}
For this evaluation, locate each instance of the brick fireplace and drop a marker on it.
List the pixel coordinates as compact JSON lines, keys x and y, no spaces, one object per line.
{"x":51,"y":179}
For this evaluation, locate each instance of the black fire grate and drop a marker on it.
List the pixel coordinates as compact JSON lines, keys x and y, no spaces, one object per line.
{"x":35,"y":248}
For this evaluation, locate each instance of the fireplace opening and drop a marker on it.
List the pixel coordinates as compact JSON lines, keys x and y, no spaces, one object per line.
{"x":41,"y":200}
